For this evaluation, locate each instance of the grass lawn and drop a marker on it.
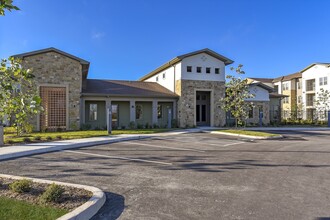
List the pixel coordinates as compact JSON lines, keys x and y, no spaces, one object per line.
{"x":66,"y":135}
{"x":12,"y":209}
{"x":251,"y":133}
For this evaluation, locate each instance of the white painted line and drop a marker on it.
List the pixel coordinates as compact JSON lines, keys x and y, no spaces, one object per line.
{"x":156,"y":146}
{"x":233,"y":144}
{"x":119,"y":158}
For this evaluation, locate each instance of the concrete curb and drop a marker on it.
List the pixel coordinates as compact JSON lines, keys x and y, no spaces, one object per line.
{"x":83,"y":212}
{"x":60,"y":147}
{"x":248,"y":136}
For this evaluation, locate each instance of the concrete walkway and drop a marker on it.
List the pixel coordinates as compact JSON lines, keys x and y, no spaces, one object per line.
{"x":15,"y":151}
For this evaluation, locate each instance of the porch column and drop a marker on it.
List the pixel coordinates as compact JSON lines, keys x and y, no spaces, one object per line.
{"x":154,"y":112}
{"x":132,"y":110}
{"x":174,"y":110}
{"x":82,"y":111}
{"x":107,"y":106}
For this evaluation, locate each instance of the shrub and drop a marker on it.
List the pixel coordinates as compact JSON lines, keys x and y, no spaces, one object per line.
{"x":20,"y":186}
{"x":37,"y":138}
{"x":9,"y":130}
{"x":97,"y":128}
{"x":28,"y":128}
{"x":59,"y":137}
{"x":53,"y":193}
{"x":139,"y":126}
{"x":131,"y":125}
{"x":27,"y":140}
{"x":10,"y":142}
{"x":49,"y":138}
{"x":155,"y":125}
{"x":174,"y":123}
{"x":86,"y":127}
{"x":147,"y":126}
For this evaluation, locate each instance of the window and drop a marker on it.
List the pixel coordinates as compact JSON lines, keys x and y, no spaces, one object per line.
{"x":298,"y":85}
{"x":286,"y":100}
{"x":285,"y":86}
{"x":93,"y":112}
{"x":299,"y":99}
{"x":164,"y":75}
{"x":189,"y":68}
{"x":323,"y":81}
{"x":208,"y":70}
{"x":159,"y":111}
{"x":216,"y":70}
{"x":199,"y":69}
{"x":138,"y":112}
{"x":276,"y":89}
{"x":157,"y":78}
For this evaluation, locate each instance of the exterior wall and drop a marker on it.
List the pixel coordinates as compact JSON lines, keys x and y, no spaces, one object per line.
{"x":171,"y":75}
{"x":101,"y":121}
{"x":146,"y":114}
{"x":275,"y":109}
{"x":186,"y":89}
{"x":202,"y":60}
{"x":261,"y":94}
{"x":255,"y":118}
{"x":163,"y":121}
{"x":123,"y":113}
{"x":52,"y":68}
{"x":315,"y":72}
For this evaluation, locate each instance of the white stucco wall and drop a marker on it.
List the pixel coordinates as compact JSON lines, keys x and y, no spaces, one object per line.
{"x":203,"y":60}
{"x":315,"y":72}
{"x":261,"y":94}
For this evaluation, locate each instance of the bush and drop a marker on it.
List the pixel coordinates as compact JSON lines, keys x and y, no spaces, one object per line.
{"x":9,"y":130}
{"x":131,"y":125}
{"x":20,"y":186}
{"x":37,"y":138}
{"x":86,"y":127}
{"x":10,"y":142}
{"x":174,"y":123}
{"x":59,"y":137}
{"x":27,"y":140}
{"x":28,"y":128}
{"x":155,"y":125}
{"x":139,"y":126}
{"x":49,"y":138}
{"x":53,"y":193}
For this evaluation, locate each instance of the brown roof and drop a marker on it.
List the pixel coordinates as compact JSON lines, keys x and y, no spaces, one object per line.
{"x":288,"y":77}
{"x":262,"y":85}
{"x":181,"y":57}
{"x":122,"y":88}
{"x":276,"y":95}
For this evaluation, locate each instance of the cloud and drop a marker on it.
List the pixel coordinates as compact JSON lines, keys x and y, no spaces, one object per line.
{"x":98,"y":35}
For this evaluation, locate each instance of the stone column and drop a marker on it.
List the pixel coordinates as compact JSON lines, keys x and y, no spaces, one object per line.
{"x":82,"y":111}
{"x":132,"y":110}
{"x":154,"y":112}
{"x":174,"y":110}
{"x":109,"y":120}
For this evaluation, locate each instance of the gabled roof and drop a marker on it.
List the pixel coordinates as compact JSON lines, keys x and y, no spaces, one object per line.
{"x":313,"y":64}
{"x":288,"y":77}
{"x":51,"y":49}
{"x":97,"y":87}
{"x":263,"y":80}
{"x":177,"y":59}
{"x":84,"y":63}
{"x":262,"y":85}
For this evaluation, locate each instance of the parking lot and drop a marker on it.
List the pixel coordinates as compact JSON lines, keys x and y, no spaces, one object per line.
{"x":198,"y":176}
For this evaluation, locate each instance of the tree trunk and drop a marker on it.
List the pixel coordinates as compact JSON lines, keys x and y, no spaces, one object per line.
{"x":1,"y":136}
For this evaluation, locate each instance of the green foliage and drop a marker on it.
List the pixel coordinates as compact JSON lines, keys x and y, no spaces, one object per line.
{"x":322,"y":102}
{"x":237,"y":91}
{"x":9,"y":130}
{"x":59,"y":137}
{"x":174,"y":123}
{"x":49,"y":138}
{"x":27,"y":140}
{"x":86,"y":127}
{"x":53,"y":193}
{"x":131,"y":125}
{"x":37,"y":138}
{"x":18,"y":94}
{"x":139,"y":126}
{"x":21,"y":186}
{"x":7,"y":5}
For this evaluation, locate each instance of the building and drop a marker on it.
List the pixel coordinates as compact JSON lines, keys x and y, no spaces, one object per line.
{"x":291,"y":87}
{"x":185,"y":91}
{"x":314,"y":79}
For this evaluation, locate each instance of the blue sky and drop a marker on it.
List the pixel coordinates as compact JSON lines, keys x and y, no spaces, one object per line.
{"x":125,"y":39}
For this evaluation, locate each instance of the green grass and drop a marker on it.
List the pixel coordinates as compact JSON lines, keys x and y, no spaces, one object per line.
{"x":251,"y":133}
{"x":66,"y":135}
{"x":11,"y":209}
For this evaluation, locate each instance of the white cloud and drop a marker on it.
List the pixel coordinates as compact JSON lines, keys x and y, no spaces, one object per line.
{"x":98,"y":35}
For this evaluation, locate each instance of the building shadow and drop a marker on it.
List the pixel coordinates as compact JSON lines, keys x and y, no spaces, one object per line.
{"x":112,"y":208}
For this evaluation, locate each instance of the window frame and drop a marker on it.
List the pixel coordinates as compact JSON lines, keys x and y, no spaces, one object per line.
{"x":198,"y":69}
{"x":92,"y":116}
{"x":216,"y":70}
{"x":208,"y":70}
{"x":138,"y":112}
{"x":189,"y":69}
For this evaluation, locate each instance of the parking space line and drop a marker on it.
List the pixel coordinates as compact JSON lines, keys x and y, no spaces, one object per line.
{"x":173,"y":148}
{"x":119,"y":158}
{"x":233,"y":143}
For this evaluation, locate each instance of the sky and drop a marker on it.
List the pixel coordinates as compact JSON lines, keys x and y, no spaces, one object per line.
{"x":126,"y":39}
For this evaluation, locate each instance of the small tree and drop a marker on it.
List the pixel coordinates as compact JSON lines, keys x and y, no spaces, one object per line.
{"x":7,"y":5}
{"x":237,"y":93}
{"x":18,"y":94}
{"x":322,"y":103}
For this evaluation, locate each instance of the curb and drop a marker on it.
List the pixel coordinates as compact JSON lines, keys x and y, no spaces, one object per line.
{"x":83,"y":212}
{"x":248,"y":136}
{"x":65,"y":147}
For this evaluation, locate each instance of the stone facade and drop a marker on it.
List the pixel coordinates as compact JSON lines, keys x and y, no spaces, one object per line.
{"x":52,"y":68}
{"x":186,"y":105}
{"x":265,"y":108}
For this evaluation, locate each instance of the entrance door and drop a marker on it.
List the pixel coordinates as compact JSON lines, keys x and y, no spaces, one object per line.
{"x":203,"y":108}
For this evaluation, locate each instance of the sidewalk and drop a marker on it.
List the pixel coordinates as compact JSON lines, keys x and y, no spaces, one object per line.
{"x":45,"y":147}
{"x":270,"y":128}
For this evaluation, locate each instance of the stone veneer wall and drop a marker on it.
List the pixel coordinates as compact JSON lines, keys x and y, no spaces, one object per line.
{"x":255,"y":119}
{"x":55,"y":68}
{"x":186,"y":89}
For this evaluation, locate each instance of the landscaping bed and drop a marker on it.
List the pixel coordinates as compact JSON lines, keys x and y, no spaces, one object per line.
{"x":27,"y":195}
